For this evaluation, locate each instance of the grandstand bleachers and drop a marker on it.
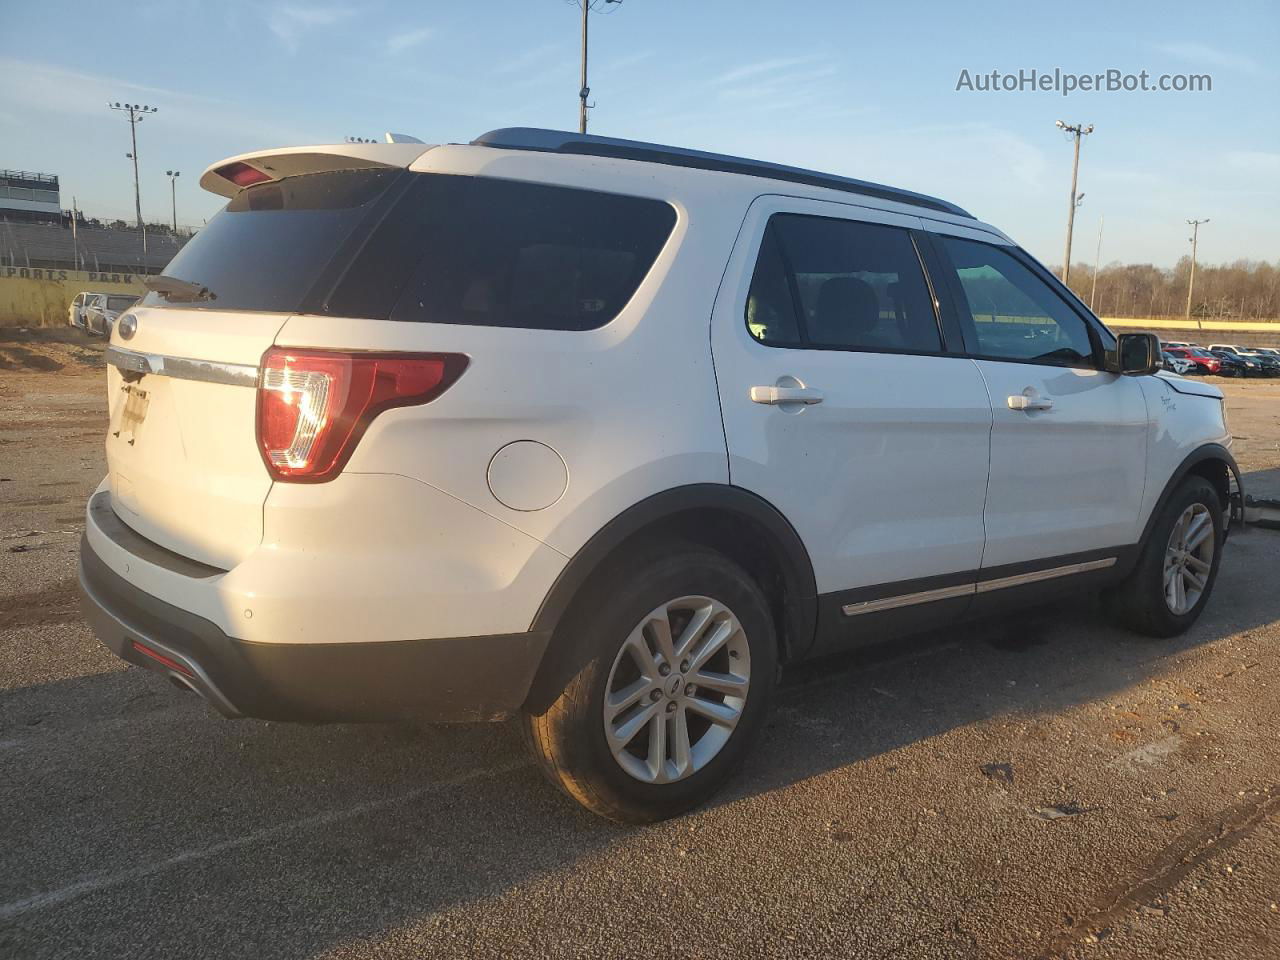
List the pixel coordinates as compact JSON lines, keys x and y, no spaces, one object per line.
{"x":47,"y":245}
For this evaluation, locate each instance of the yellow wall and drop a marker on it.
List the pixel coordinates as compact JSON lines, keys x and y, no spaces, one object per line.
{"x":1165,"y":323}
{"x":32,"y":297}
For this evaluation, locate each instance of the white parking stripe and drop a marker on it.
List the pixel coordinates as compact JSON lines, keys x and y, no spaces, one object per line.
{"x":93,"y":884}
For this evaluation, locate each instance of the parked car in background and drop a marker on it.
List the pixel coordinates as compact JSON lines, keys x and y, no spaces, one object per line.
{"x":1174,"y":363}
{"x":352,"y":476}
{"x":1234,"y":365}
{"x":76,"y":311}
{"x":1174,"y":343}
{"x":1202,"y":361}
{"x":101,"y":311}
{"x":1268,"y":365}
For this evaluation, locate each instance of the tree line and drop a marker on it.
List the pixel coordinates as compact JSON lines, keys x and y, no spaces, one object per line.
{"x":1242,"y":290}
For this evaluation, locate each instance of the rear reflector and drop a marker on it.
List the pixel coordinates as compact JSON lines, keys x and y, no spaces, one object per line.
{"x":241,"y":174}
{"x":314,"y":405}
{"x":159,"y":657}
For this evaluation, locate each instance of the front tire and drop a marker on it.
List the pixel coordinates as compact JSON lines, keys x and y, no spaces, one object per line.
{"x":679,"y":662}
{"x":1171,"y":583}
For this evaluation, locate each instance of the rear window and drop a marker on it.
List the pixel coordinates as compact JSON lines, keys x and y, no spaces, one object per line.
{"x":502,"y":253}
{"x":120,"y":303}
{"x":275,"y":242}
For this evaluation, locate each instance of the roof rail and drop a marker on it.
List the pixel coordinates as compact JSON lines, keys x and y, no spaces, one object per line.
{"x":559,"y":141}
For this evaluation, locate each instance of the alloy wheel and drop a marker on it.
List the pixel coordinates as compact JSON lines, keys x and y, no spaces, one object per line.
{"x":1188,"y":559}
{"x":677,"y":689}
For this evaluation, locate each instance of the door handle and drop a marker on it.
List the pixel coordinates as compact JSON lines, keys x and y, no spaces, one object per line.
{"x":776,"y":395}
{"x":1030,"y":401}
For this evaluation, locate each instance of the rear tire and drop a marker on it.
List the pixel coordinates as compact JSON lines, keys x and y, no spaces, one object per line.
{"x":681,"y":744}
{"x":1178,"y":566}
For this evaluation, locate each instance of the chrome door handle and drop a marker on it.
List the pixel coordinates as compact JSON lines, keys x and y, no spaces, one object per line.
{"x":776,"y":395}
{"x":1023,"y":401}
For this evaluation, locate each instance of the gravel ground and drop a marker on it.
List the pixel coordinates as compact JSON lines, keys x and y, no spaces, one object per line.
{"x":1042,"y":786}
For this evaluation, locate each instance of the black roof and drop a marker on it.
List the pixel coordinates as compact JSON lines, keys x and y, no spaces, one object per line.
{"x":560,"y":141}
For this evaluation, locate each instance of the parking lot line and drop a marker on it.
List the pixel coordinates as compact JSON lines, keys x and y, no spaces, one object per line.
{"x":92,"y":884}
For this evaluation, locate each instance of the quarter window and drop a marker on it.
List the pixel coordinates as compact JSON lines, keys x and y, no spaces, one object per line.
{"x":1015,"y":315}
{"x":842,"y":284}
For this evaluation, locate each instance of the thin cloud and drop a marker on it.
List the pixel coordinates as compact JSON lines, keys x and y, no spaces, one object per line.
{"x":1211,"y":56}
{"x":290,"y":21}
{"x":764,"y":67}
{"x":536,"y":60}
{"x":408,"y":39}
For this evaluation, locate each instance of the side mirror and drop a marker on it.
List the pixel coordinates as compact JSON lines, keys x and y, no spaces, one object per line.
{"x":1137,"y":354}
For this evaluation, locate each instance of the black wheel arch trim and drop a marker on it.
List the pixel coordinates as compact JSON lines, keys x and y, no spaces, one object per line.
{"x":800,"y":613}
{"x":1202,"y":454}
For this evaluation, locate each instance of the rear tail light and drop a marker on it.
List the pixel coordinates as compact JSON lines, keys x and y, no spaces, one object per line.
{"x":314,"y":405}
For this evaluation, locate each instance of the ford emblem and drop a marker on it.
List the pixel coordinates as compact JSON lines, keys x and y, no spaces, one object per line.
{"x":127,"y":326}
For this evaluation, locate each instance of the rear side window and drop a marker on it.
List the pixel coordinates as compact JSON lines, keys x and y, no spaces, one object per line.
{"x":851,"y":286}
{"x":503,"y":253}
{"x":1016,"y":315}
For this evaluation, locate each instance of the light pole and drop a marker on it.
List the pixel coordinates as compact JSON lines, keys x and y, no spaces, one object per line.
{"x":1191,"y":283}
{"x":1077,"y":131}
{"x":136,"y":115}
{"x":1097,"y":261}
{"x":173,"y":195}
{"x":584,"y":91}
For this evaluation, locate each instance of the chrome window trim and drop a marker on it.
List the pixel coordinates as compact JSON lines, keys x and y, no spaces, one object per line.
{"x":969,"y":589}
{"x":183,"y":368}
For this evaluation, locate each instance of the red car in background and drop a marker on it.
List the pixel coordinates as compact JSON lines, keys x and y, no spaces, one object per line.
{"x":1205,"y":362}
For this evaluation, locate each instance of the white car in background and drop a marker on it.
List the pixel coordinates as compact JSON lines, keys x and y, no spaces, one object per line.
{"x":596,"y":433}
{"x":79,"y":304}
{"x":102,"y":309}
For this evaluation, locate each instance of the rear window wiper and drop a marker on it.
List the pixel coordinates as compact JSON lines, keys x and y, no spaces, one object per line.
{"x":178,"y":291}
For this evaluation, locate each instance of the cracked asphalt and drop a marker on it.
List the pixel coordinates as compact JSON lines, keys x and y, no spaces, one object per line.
{"x":1035,"y":787}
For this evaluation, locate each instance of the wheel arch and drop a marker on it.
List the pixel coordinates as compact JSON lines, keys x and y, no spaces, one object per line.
{"x":742,"y":525}
{"x":1212,"y":461}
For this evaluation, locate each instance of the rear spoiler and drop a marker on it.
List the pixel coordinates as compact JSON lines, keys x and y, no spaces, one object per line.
{"x":228,"y":177}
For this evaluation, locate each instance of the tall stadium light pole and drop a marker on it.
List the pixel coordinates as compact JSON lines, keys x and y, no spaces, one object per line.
{"x":1191,"y":283}
{"x":137,"y":113}
{"x":173,"y":176}
{"x":584,"y":91}
{"x":1076,"y":131}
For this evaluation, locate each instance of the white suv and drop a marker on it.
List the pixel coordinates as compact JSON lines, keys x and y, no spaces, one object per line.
{"x":597,"y":434}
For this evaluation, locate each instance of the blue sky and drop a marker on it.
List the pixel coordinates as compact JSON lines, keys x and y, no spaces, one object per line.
{"x":867,"y":90}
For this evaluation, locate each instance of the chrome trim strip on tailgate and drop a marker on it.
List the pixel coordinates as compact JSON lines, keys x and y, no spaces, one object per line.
{"x":183,"y":368}
{"x":967,"y":589}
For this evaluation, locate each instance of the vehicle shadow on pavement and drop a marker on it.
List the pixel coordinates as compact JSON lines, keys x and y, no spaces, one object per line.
{"x":138,"y":817}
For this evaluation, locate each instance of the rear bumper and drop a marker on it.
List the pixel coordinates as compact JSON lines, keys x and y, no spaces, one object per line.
{"x":452,"y":679}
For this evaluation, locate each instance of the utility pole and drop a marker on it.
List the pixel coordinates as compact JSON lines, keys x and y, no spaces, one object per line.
{"x":584,"y":91}
{"x":1191,"y":283}
{"x":1097,"y":260}
{"x":1076,"y":131}
{"x":75,"y":243}
{"x":136,"y":115}
{"x":173,"y":196}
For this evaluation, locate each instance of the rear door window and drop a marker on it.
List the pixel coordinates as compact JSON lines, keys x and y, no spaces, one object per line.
{"x":503,"y":253}
{"x":841,"y":284}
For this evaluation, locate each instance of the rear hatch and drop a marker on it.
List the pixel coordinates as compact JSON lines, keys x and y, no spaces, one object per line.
{"x":184,"y":466}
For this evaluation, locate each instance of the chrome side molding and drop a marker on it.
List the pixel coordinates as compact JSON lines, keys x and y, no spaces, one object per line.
{"x":969,"y":589}
{"x":183,"y":368}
